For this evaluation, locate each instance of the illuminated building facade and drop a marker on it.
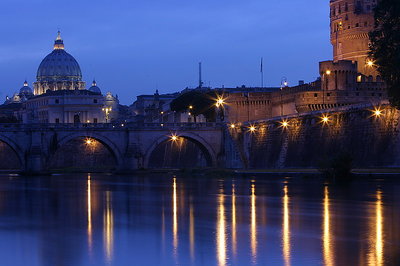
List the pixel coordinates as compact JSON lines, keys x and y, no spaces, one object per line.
{"x":59,"y":94}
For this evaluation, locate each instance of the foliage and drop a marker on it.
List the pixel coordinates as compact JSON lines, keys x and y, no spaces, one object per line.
{"x":338,"y":166}
{"x":385,"y":46}
{"x":202,"y":102}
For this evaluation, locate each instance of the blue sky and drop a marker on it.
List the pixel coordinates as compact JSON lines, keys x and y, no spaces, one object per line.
{"x":135,"y":47}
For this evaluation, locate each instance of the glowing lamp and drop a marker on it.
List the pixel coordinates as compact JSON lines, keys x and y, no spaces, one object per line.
{"x":252,"y":128}
{"x":232,"y":125}
{"x":325,"y":119}
{"x":220,"y":101}
{"x":370,"y":63}
{"x":377,"y":112}
{"x":328,"y":72}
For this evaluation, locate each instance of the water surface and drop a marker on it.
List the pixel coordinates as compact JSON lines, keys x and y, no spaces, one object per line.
{"x":93,"y":219}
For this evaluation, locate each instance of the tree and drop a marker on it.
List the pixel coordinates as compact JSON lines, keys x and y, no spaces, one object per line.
{"x":385,"y":46}
{"x":197,"y":102}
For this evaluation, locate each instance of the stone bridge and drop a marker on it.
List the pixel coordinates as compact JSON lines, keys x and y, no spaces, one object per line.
{"x":131,"y":145}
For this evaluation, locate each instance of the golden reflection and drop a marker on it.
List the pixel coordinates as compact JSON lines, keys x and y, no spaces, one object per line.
{"x":221,"y":234}
{"x":191,"y":232}
{"x":174,"y":218}
{"x":89,"y":212}
{"x":253,"y":227}
{"x":234,"y":241}
{"x":327,"y":240}
{"x":375,"y":256}
{"x":108,"y":227}
{"x":286,"y":228}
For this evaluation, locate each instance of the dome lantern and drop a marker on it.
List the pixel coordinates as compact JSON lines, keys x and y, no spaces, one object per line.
{"x":59,"y":43}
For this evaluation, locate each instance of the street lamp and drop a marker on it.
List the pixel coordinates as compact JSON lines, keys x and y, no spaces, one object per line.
{"x":107,"y":111}
{"x":220,"y":101}
{"x":284,"y":83}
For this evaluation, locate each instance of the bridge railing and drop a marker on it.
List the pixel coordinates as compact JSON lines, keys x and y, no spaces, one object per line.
{"x":108,"y":126}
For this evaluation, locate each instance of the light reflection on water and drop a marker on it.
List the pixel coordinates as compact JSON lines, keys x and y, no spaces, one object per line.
{"x":164,"y":220}
{"x":253,"y":227}
{"x":286,"y":228}
{"x":376,"y":237}
{"x":221,"y":233}
{"x":327,"y":233}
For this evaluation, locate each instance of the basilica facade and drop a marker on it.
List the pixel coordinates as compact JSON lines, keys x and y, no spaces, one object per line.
{"x":59,"y":94}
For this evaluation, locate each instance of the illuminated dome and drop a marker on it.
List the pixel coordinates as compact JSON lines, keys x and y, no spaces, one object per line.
{"x":25,"y":90}
{"x":94,"y":88}
{"x":59,"y":65}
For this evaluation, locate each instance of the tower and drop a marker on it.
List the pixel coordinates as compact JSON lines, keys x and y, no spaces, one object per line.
{"x":351,"y":21}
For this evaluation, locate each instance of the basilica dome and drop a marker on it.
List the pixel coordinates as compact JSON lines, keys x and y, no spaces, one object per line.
{"x":94,"y":88}
{"x":25,"y":90}
{"x":59,"y":65}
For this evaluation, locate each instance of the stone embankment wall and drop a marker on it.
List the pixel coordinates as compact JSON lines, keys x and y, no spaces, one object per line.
{"x":372,"y":141}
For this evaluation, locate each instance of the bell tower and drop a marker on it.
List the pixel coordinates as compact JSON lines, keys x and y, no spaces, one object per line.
{"x":351,"y":21}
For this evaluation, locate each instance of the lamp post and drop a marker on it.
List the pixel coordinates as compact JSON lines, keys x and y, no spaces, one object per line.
{"x":284,"y":83}
{"x":107,"y":111}
{"x":220,"y":106}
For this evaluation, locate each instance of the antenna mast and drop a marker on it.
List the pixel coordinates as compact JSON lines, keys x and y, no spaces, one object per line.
{"x":200,"y":81}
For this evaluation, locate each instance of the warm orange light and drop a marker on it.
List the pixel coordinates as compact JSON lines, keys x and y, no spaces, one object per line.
{"x":252,"y":128}
{"x":377,"y":112}
{"x":328,"y":72}
{"x":370,"y":63}
{"x":285,"y":124}
{"x":174,"y":137}
{"x":220,"y":101}
{"x":325,"y":119}
{"x":191,"y":107}
{"x":89,"y":141}
{"x":232,"y":126}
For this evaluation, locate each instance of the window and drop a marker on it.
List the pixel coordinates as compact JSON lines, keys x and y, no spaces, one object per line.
{"x":328,"y":94}
{"x":95,"y":101}
{"x":57,"y":120}
{"x":95,"y":120}
{"x":315,"y":94}
{"x":57,"y":101}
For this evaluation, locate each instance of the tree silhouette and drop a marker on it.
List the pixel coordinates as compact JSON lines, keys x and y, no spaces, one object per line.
{"x":385,"y":46}
{"x":197,"y":102}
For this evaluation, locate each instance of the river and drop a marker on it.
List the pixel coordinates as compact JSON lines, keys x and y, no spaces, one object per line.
{"x":162,"y":219}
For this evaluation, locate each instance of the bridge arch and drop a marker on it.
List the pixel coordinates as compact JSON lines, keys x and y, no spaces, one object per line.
{"x":201,"y":143}
{"x":16,"y":148}
{"x":108,"y":144}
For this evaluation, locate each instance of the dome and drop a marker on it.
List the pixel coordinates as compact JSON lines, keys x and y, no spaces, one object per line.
{"x":94,"y":88}
{"x":59,"y":65}
{"x":25,"y":90}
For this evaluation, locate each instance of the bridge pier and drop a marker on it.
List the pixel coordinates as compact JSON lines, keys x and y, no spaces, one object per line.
{"x":34,"y":159}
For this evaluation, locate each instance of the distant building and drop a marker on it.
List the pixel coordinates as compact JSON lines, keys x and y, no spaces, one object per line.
{"x":64,"y":106}
{"x":59,"y":95}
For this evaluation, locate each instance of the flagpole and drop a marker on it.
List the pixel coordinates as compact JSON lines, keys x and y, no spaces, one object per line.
{"x":262,"y":74}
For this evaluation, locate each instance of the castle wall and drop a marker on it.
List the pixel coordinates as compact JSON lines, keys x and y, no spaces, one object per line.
{"x":306,"y":142}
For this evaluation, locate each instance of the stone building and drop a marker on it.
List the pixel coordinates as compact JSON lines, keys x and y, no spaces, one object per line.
{"x":64,"y":106}
{"x":351,"y":21}
{"x":59,"y":95}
